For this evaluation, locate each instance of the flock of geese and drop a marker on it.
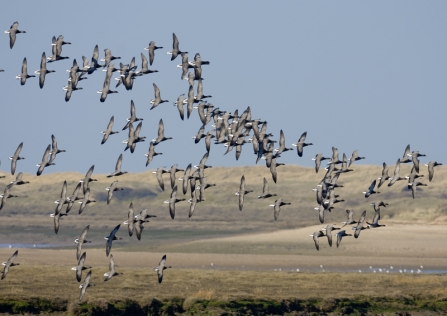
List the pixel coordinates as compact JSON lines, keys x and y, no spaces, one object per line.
{"x":232,"y":130}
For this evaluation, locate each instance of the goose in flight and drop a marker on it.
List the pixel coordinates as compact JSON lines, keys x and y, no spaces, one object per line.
{"x":80,"y":241}
{"x":161,"y":134}
{"x":54,"y":149}
{"x":318,"y":158}
{"x":384,"y":176}
{"x":24,"y":74}
{"x":108,"y":130}
{"x":417,"y":182}
{"x":133,"y":117}
{"x":407,"y":154}
{"x":300,"y":144}
{"x":179,"y":104}
{"x":94,"y":64}
{"x":359,"y":226}
{"x":45,"y":163}
{"x":19,"y":180}
{"x":151,"y":153}
{"x":43,"y":71}
{"x":175,"y":48}
{"x":72,"y":198}
{"x":282,"y":144}
{"x":108,"y":57}
{"x":396,"y":174}
{"x":350,"y":220}
{"x":16,"y":157}
{"x":111,"y":238}
{"x":315,"y":237}
{"x":87,"y":179}
{"x":157,"y":100}
{"x":377,"y":208}
{"x":118,"y":171}
{"x":151,"y":48}
{"x":172,"y":202}
{"x":86,"y":200}
{"x":112,"y":271}
{"x":106,"y":86}
{"x":340,"y":235}
{"x":241,"y":193}
{"x":265,"y":191}
{"x":144,"y":67}
{"x":85,"y":285}
{"x":12,"y":33}
{"x":9,"y":264}
{"x":80,"y":267}
{"x":160,"y":268}
{"x":414,"y":157}
{"x":172,"y":173}
{"x":328,"y":230}
{"x":371,"y":189}
{"x":158,"y":173}
{"x":431,"y":165}
{"x":277,"y":207}
{"x":355,"y":157}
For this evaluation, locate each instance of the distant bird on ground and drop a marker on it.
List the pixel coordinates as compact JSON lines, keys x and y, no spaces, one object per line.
{"x":355,"y":157}
{"x":111,"y":238}
{"x":155,"y":102}
{"x":161,"y":134}
{"x":396,"y":174}
{"x":431,"y":165}
{"x":161,"y":266}
{"x":112,"y":271}
{"x":277,"y":207}
{"x":371,"y":189}
{"x":340,"y":235}
{"x":87,"y":179}
{"x":12,"y":33}
{"x":175,"y":48}
{"x":151,"y":48}
{"x":300,"y":144}
{"x":315,"y":237}
{"x":43,"y":71}
{"x":118,"y":171}
{"x":265,"y":191}
{"x":241,"y":193}
{"x":9,"y":264}
{"x":108,"y":130}
{"x":318,"y":158}
{"x":45,"y":163}
{"x":16,"y":157}
{"x":24,"y":74}
{"x":80,"y":267}
{"x":359,"y":226}
{"x":80,"y":241}
{"x":85,"y":284}
{"x":384,"y":176}
{"x":172,"y":202}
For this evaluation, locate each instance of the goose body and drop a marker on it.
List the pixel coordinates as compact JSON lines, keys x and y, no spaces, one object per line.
{"x":24,"y":74}
{"x":160,"y":268}
{"x":9,"y":264}
{"x":12,"y":33}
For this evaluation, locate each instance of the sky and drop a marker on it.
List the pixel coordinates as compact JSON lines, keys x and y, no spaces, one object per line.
{"x":353,"y":74}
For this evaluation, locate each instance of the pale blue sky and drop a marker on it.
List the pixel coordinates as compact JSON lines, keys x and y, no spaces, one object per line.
{"x":353,"y":74}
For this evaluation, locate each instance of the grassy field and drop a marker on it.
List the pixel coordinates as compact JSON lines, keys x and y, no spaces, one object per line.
{"x":25,"y":219}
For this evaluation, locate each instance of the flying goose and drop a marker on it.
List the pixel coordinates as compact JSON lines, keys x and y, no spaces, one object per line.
{"x":108,"y":57}
{"x":80,"y":267}
{"x":202,"y":187}
{"x":371,"y":189}
{"x":359,"y":226}
{"x":57,"y":215}
{"x":72,"y":85}
{"x":57,"y":49}
{"x":72,"y":198}
{"x":133,"y":117}
{"x":189,"y":101}
{"x":113,"y":187}
{"x":86,"y":200}
{"x":118,"y":171}
{"x":328,"y":229}
{"x":300,"y":144}
{"x":12,"y":33}
{"x":112,"y":271}
{"x":241,"y":193}
{"x":377,"y":208}
{"x":43,"y":71}
{"x":354,"y":157}
{"x":45,"y":162}
{"x":172,"y":172}
{"x":54,"y":149}
{"x":324,"y":206}
{"x":200,"y":96}
{"x":161,"y":134}
{"x":130,"y":220}
{"x":87,"y":179}
{"x":158,"y":173}
{"x":431,"y":165}
{"x":108,"y":130}
{"x":179,"y":104}
{"x":175,"y":49}
{"x":413,"y":175}
{"x":315,"y":237}
{"x":334,"y":160}
{"x":384,"y":176}
{"x":396,"y":174}
{"x":375,"y":222}
{"x":161,"y":266}
{"x":318,"y":158}
{"x":265,"y":191}
{"x":184,"y":65}
{"x":407,"y":154}
{"x":94,"y":64}
{"x":417,"y":182}
{"x":151,"y":153}
{"x":151,"y":48}
{"x":6,"y":195}
{"x":131,"y":137}
{"x":80,"y":241}
{"x":172,"y":202}
{"x":273,"y":166}
{"x":16,"y":157}
{"x":192,"y":203}
{"x":277,"y":207}
{"x":200,"y":134}
{"x":414,"y":157}
{"x":111,"y":238}
{"x":155,"y":102}
{"x":85,"y":284}
{"x":24,"y":74}
{"x":208,"y":137}
{"x":106,"y":86}
{"x":282,"y":144}
{"x":144,"y":68}
{"x":9,"y":263}
{"x":340,"y":235}
{"x":197,"y":62}
{"x":18,"y":180}
{"x":185,"y":178}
